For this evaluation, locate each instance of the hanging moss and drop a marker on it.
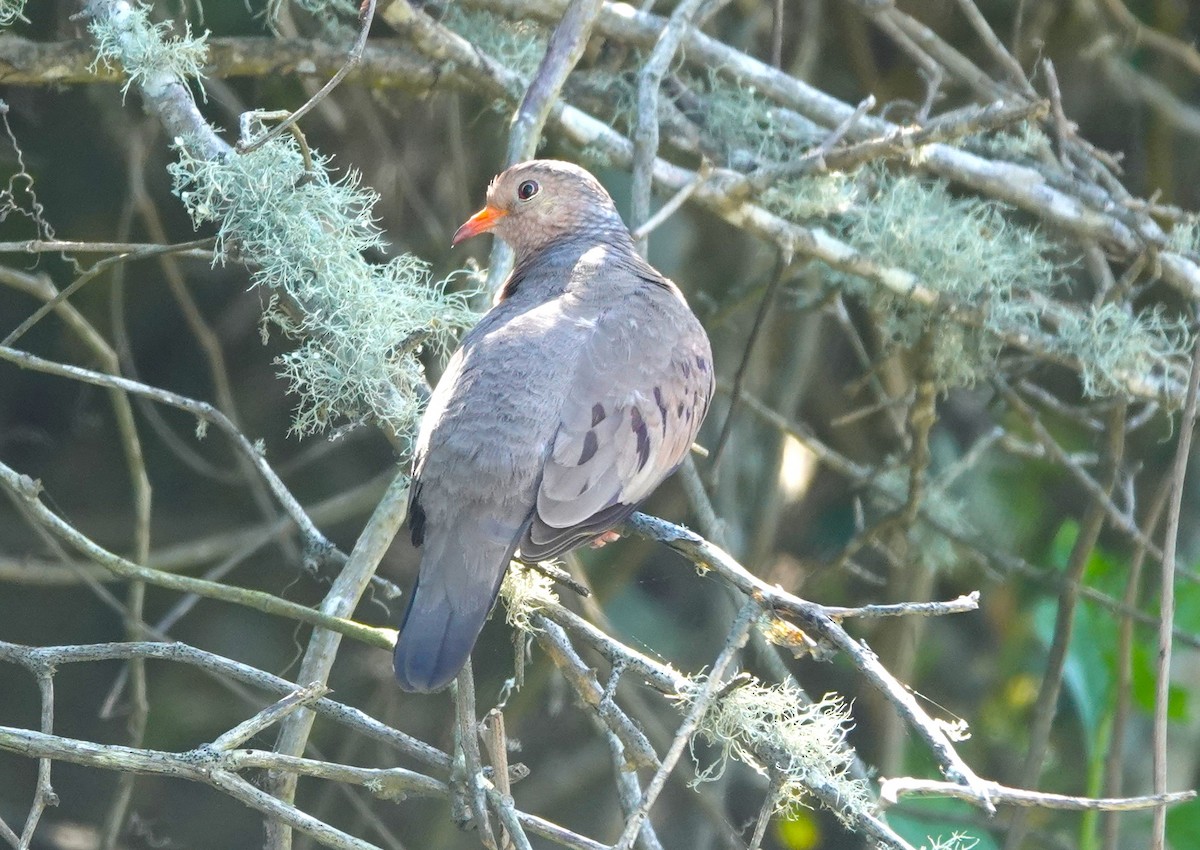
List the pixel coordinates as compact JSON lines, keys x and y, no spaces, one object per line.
{"x":1023,"y":141}
{"x":11,"y":11}
{"x":145,"y":50}
{"x":517,"y":45}
{"x":1185,"y":235}
{"x":747,"y":128}
{"x":1114,"y":344}
{"x":361,"y":323}
{"x":806,"y":742}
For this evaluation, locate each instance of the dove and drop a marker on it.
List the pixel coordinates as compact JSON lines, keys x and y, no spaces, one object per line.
{"x":563,"y":409}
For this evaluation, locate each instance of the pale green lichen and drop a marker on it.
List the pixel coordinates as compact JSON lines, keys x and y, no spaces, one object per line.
{"x":1114,"y":344}
{"x":1184,"y":237}
{"x":966,"y":248}
{"x":517,"y":45}
{"x":973,"y":252}
{"x":360,"y":324}
{"x":526,"y":592}
{"x":145,"y":50}
{"x":956,"y":841}
{"x":337,"y":17}
{"x":12,"y":11}
{"x":820,"y":196}
{"x":747,"y":127}
{"x":777,"y":733}
{"x":1022,"y":141}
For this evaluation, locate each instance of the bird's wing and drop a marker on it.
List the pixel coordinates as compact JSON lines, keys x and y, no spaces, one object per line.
{"x":638,"y":396}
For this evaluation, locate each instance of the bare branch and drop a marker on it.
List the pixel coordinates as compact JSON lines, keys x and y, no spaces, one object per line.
{"x":891,"y":790}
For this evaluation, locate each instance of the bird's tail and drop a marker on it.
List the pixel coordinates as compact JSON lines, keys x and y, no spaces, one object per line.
{"x":457,"y":584}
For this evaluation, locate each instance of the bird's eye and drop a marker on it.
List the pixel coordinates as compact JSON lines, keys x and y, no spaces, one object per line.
{"x":527,"y":190}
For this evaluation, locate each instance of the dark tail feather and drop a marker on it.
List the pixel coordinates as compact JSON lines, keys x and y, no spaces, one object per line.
{"x":454,"y":593}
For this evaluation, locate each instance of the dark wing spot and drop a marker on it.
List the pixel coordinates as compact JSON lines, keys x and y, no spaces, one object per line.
{"x":598,"y":414}
{"x":638,"y":425}
{"x":701,"y":363}
{"x":687,"y":368}
{"x":416,"y":519}
{"x":662,"y":408}
{"x":657,"y":280}
{"x":679,"y":410}
{"x":590,"y":444}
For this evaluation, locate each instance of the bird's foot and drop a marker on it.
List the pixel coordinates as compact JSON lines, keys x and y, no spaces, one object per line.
{"x":604,"y":539}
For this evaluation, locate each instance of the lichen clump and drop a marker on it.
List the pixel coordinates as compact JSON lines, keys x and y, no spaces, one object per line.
{"x":1004,"y":280}
{"x":525,"y":592}
{"x":11,"y":11}
{"x":360,"y":324}
{"x":517,"y":45}
{"x":800,"y":745}
{"x":149,"y":56}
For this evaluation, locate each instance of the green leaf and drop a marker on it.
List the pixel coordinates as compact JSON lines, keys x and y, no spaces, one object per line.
{"x":1088,"y":674}
{"x":1183,"y":826}
{"x":1145,"y":683}
{"x":1063,"y":542}
{"x":1187,"y":605}
{"x":1103,"y":571}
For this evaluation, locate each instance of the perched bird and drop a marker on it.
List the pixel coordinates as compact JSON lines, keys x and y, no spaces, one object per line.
{"x":572,"y":399}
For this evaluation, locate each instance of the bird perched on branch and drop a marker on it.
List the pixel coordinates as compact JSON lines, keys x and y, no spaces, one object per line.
{"x":572,"y":399}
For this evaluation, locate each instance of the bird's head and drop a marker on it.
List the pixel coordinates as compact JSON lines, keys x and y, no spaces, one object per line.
{"x":538,"y":203}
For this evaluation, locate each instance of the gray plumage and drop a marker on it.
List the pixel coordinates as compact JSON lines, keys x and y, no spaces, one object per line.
{"x":570,"y":401}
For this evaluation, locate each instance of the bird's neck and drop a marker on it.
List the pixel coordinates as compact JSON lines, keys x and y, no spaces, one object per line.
{"x":546,"y":270}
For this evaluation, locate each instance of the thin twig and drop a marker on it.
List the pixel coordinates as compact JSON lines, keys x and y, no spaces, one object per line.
{"x":353,"y":58}
{"x":316,"y":540}
{"x":1182,"y":52}
{"x":645,"y":145}
{"x":813,"y":619}
{"x":90,"y":275}
{"x":199,"y":249}
{"x":199,"y":766}
{"x":961,"y":605}
{"x":582,"y":679}
{"x":563,"y":52}
{"x":1166,"y":601}
{"x":467,"y":777}
{"x":672,"y":206}
{"x":891,"y":790}
{"x":1123,"y":679}
{"x":341,"y":600}
{"x":1012,"y":68}
{"x":35,"y":658}
{"x":783,"y":262}
{"x":1046,"y":706}
{"x":44,"y":794}
{"x":29,"y":490}
{"x":629,"y":791}
{"x":268,"y":717}
{"x":1004,"y":561}
{"x":699,"y":704}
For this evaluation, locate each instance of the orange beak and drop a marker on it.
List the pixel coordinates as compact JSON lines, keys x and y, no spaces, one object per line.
{"x":481,"y":222}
